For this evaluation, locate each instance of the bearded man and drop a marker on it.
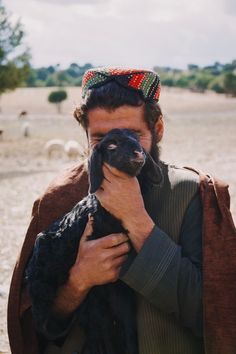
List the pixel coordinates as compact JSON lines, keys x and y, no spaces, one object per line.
{"x":164,"y":227}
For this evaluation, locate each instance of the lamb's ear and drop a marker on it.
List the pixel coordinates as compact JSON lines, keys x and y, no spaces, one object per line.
{"x":95,"y":171}
{"x":152,"y":171}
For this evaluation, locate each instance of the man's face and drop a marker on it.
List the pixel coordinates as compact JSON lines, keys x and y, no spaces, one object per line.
{"x":101,"y":121}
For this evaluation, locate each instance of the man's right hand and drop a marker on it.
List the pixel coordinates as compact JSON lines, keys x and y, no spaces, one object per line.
{"x":98,"y":261}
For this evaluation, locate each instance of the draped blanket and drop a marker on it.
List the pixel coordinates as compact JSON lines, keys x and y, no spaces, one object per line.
{"x":219,"y":262}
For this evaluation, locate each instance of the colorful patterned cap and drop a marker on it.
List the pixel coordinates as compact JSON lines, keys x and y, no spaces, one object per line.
{"x":144,"y":81}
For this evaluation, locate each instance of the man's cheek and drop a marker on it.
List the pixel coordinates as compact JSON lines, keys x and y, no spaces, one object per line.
{"x":146,"y":143}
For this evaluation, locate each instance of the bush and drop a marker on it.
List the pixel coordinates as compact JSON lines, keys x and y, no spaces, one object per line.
{"x":202,"y":81}
{"x":230,"y":84}
{"x":217,"y":85}
{"x":169,"y":81}
{"x":183,"y":81}
{"x":57,"y":97}
{"x":51,"y":81}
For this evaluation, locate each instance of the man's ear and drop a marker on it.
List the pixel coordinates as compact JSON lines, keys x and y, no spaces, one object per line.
{"x":159,"y":128}
{"x":95,"y":170}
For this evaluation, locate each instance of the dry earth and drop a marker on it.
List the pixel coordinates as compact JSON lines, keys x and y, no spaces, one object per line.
{"x":200,"y":132}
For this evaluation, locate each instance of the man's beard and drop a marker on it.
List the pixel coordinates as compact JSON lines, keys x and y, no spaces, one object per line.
{"x":155,"y":148}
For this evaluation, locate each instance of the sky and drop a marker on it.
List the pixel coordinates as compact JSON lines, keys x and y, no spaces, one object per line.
{"x":125,"y":33}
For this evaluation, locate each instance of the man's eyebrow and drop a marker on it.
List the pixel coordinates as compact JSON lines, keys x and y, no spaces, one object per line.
{"x":136,"y":131}
{"x":101,"y":135}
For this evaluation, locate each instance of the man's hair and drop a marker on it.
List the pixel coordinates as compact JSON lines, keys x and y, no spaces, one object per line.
{"x":111,"y":96}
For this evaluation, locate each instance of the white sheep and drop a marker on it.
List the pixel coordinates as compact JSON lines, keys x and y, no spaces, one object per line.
{"x":73,"y":149}
{"x":26,"y":129}
{"x":54,"y":148}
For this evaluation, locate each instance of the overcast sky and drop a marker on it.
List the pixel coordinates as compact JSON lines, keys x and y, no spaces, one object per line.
{"x":128,"y":32}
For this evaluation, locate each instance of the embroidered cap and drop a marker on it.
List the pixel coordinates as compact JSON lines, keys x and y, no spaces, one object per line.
{"x":144,"y":81}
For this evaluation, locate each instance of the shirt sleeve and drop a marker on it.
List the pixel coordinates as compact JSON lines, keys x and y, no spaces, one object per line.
{"x":169,"y":275}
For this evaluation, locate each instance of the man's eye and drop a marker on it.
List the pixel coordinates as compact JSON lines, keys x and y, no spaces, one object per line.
{"x":111,"y":146}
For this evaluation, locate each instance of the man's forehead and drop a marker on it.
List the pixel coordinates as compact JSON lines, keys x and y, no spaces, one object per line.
{"x":129,"y":117}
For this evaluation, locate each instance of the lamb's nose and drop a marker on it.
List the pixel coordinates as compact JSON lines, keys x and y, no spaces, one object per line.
{"x":139,"y":154}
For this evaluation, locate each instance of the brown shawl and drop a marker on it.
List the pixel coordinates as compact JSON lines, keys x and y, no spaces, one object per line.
{"x":219,"y":262}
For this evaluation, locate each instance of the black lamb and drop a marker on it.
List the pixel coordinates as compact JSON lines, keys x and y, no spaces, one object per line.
{"x":108,"y":312}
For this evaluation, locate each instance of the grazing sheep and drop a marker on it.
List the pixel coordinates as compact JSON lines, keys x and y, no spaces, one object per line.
{"x":22,"y":114}
{"x":54,"y":147}
{"x":26,"y":129}
{"x":108,"y":312}
{"x":73,"y":149}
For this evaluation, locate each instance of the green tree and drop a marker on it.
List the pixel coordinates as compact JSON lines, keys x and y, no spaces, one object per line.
{"x":183,"y":81}
{"x":201,"y":82}
{"x":51,"y":69}
{"x":14,"y":56}
{"x":230,"y":66}
{"x":230,"y":84}
{"x":78,"y":82}
{"x":31,"y":80}
{"x":193,"y":67}
{"x":57,"y":97}
{"x":51,"y":81}
{"x":74,"y":70}
{"x":42,"y":74}
{"x":217,"y":84}
{"x":168,"y":81}
{"x":62,"y":78}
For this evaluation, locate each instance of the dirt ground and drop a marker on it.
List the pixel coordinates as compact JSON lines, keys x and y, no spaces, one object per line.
{"x":200,"y":132}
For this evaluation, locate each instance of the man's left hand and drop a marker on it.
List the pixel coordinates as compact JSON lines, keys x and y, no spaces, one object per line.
{"x":120,"y":194}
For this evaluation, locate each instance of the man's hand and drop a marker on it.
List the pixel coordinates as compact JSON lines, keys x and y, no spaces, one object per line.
{"x":98,"y":261}
{"x":120,"y":195}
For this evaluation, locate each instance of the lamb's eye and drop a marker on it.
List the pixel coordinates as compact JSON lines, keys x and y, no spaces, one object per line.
{"x":111,"y":146}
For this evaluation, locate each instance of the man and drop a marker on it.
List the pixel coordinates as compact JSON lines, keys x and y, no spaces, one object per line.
{"x":164,"y":227}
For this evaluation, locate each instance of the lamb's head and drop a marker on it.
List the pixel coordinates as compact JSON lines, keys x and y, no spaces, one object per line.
{"x":120,"y":148}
